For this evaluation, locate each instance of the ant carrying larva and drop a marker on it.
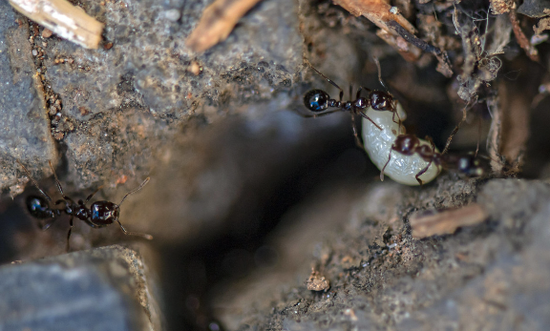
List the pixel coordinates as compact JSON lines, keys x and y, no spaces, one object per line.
{"x":415,"y":161}
{"x":100,"y":213}
{"x":319,"y":103}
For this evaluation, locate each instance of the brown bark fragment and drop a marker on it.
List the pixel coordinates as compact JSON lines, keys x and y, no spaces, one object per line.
{"x":446,"y":222}
{"x":217,"y":22}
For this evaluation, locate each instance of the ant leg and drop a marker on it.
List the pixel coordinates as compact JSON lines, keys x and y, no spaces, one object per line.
{"x":385,"y":165}
{"x":91,"y":195}
{"x":46,"y":226}
{"x":354,"y":127}
{"x":365,"y":116}
{"x":143,"y":235}
{"x":358,"y":94}
{"x":34,"y":182}
{"x":350,"y":91}
{"x":359,"y":90}
{"x":58,"y":184}
{"x":69,"y":233}
{"x":319,"y":114}
{"x":421,"y":172}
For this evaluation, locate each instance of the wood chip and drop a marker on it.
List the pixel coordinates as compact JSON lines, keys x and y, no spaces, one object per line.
{"x":445,"y":222}
{"x":64,"y":19}
{"x":217,"y":22}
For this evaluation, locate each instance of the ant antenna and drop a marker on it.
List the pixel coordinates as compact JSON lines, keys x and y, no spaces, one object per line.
{"x":132,"y":192}
{"x":29,"y":176}
{"x":142,"y":235}
{"x":379,"y":72}
{"x":326,"y":78}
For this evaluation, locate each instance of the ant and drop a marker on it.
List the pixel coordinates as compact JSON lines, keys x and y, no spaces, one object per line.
{"x":409,"y":144}
{"x":100,"y":213}
{"x":318,"y":101}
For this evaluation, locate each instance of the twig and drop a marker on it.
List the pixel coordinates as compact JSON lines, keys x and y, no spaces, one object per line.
{"x":217,"y":22}
{"x":446,"y":222}
{"x":64,"y":19}
{"x":521,"y":38}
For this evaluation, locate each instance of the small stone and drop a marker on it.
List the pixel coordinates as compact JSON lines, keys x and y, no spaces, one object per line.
{"x":47,"y":33}
{"x":172,"y":15}
{"x":317,"y":282}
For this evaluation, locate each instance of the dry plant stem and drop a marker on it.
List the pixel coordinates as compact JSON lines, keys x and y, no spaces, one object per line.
{"x":380,"y":13}
{"x":64,"y":19}
{"x":493,"y":141}
{"x":515,"y":124}
{"x":217,"y":22}
{"x":455,"y":130}
{"x":377,"y":11}
{"x":442,"y":57}
{"x":395,"y":30}
{"x":446,"y":222}
{"x":521,"y":38}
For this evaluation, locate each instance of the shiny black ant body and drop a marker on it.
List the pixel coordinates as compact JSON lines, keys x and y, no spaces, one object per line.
{"x":319,"y":102}
{"x":100,"y":213}
{"x":409,"y":144}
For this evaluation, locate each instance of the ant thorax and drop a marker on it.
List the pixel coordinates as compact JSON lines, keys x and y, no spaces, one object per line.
{"x":378,"y":144}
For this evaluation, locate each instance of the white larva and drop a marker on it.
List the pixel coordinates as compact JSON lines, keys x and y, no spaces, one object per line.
{"x":401,"y":168}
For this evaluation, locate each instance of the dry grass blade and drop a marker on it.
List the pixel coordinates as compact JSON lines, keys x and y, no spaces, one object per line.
{"x":64,"y":19}
{"x":446,"y":222}
{"x":217,"y":22}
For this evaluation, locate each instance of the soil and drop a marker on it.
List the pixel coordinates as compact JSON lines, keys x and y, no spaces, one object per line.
{"x":263,"y":219}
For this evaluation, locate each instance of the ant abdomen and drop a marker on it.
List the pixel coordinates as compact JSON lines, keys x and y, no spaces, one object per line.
{"x":316,"y":100}
{"x":39,"y":207}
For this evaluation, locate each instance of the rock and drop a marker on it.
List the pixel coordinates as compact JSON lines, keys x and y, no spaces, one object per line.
{"x":102,"y":289}
{"x":24,"y":130}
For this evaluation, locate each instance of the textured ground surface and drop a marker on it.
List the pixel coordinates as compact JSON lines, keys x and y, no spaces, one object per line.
{"x":246,"y":196}
{"x":490,"y":276}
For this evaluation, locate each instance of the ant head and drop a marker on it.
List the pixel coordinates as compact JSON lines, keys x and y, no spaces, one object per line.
{"x":471,"y":166}
{"x":104,"y":212}
{"x":316,"y":100}
{"x":405,"y":144}
{"x":39,"y":207}
{"x":381,"y":101}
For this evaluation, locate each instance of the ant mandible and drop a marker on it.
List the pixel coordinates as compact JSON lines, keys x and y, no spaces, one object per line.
{"x":100,"y":213}
{"x":318,"y":101}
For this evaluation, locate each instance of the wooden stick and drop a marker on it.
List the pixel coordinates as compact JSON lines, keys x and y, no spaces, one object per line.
{"x":217,"y":21}
{"x":446,"y":222}
{"x":64,"y":19}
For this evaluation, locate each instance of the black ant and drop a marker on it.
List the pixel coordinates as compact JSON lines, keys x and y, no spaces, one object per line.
{"x":409,"y":144}
{"x":100,"y":213}
{"x":318,"y":101}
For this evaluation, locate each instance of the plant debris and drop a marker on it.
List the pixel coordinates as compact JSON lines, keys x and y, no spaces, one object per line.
{"x":426,"y":224}
{"x":396,"y":30}
{"x":217,"y":22}
{"x":64,"y":19}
